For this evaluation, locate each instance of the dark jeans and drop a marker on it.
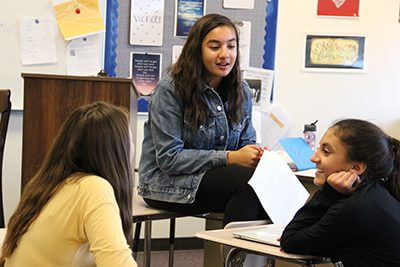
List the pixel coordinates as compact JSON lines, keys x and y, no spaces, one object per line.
{"x":224,"y":190}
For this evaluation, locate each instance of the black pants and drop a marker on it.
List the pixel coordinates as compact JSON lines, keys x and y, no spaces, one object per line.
{"x":224,"y":190}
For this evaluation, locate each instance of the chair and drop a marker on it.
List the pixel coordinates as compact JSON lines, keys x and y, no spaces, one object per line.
{"x":243,"y":258}
{"x":144,"y":213}
{"x":5,"y":109}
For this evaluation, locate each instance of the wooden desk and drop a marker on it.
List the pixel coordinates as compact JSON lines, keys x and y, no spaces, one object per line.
{"x":211,"y":250}
{"x":225,"y":237}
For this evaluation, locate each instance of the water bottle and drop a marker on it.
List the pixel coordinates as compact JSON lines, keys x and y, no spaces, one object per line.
{"x":310,"y":131}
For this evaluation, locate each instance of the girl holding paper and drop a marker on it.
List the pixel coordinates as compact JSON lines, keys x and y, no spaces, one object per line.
{"x":355,"y":217}
{"x":199,"y":146}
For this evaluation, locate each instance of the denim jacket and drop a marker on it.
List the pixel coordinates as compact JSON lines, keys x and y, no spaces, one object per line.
{"x":175,"y":158}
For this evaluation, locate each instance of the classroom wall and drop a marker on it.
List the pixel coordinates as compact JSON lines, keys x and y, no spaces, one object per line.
{"x":308,"y":96}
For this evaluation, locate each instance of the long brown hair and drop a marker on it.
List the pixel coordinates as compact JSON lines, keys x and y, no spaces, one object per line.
{"x":94,"y":139}
{"x":366,"y":142}
{"x":189,"y":73}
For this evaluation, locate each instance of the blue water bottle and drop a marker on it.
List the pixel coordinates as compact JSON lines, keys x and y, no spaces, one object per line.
{"x":310,"y":131}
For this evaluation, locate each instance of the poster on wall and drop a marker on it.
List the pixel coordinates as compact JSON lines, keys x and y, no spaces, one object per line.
{"x":145,"y":71}
{"x":338,"y":8}
{"x":187,"y":12}
{"x":147,"y":22}
{"x":339,"y":53}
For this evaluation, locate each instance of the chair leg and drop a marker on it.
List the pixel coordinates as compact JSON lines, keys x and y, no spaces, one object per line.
{"x":147,"y":244}
{"x":171,"y":241}
{"x":235,"y":258}
{"x":270,"y":263}
{"x":135,"y":245}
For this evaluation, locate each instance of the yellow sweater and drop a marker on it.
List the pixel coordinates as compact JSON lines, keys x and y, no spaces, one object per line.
{"x":82,"y":211}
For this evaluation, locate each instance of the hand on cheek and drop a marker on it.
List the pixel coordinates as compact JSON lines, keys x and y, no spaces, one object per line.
{"x":345,"y":182}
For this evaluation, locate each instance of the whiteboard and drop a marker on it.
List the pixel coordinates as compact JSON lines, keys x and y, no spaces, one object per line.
{"x":10,"y":58}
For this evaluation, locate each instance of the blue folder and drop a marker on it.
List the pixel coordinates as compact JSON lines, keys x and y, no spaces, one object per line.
{"x":299,"y":152}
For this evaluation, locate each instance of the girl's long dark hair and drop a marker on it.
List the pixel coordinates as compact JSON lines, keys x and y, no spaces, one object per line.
{"x":94,"y":139}
{"x":189,"y":74}
{"x":366,"y":142}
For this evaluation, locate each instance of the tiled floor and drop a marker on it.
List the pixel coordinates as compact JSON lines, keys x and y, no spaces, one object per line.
{"x":194,"y":258}
{"x":182,"y":258}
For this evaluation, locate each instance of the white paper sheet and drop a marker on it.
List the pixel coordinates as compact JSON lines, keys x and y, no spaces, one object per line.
{"x":37,"y":42}
{"x":82,"y":56}
{"x":245,"y":41}
{"x":176,"y":52}
{"x":242,"y":4}
{"x":280,"y":192}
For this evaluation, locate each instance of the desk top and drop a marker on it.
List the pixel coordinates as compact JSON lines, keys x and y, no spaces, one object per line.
{"x":225,"y":237}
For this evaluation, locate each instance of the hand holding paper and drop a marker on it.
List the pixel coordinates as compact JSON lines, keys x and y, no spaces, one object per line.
{"x":280,"y":192}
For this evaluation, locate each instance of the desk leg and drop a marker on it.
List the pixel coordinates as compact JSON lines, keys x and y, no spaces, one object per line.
{"x":147,"y":244}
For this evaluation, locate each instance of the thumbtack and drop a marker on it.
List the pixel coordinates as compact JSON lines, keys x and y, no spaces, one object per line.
{"x":77,"y":11}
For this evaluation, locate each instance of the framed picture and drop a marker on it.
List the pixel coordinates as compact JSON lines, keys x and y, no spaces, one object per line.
{"x":145,"y":71}
{"x":339,"y":8}
{"x":334,"y":53}
{"x":187,"y":12}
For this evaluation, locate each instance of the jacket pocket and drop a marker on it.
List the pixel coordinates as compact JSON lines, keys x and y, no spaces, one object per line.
{"x":202,"y":138}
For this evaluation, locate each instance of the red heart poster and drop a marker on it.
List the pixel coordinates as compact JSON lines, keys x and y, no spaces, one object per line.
{"x":339,"y":8}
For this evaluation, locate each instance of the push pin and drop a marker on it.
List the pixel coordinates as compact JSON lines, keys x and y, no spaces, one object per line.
{"x":77,"y":11}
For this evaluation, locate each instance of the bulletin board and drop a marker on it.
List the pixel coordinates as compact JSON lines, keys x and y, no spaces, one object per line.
{"x":11,"y":67}
{"x":256,"y":16}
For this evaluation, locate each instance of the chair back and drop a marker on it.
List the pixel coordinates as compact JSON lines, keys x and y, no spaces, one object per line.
{"x":5,"y":109}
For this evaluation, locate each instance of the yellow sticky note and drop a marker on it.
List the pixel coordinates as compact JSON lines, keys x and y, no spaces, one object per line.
{"x":78,"y":18}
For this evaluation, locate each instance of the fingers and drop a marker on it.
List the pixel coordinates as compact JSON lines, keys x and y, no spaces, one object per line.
{"x":344,"y":182}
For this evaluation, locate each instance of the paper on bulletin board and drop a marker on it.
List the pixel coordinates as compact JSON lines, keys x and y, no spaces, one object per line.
{"x":239,"y":4}
{"x":176,"y":52}
{"x":78,"y":18}
{"x":37,"y":41}
{"x":82,"y":56}
{"x":244,"y":28}
{"x":147,"y":22}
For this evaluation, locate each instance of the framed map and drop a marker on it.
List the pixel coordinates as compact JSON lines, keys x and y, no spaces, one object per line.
{"x":334,"y":53}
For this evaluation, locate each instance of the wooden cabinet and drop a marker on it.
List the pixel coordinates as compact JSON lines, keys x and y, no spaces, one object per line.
{"x":49,"y":99}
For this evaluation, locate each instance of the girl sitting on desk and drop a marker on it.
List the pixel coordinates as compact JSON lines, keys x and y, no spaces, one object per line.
{"x":80,"y":198}
{"x":199,"y":146}
{"x":355,"y":217}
